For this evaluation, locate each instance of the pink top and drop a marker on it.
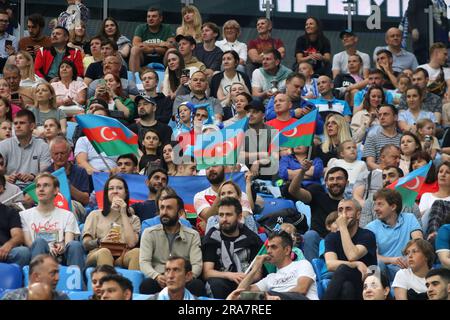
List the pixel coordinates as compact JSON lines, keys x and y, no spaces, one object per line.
{"x":72,"y":92}
{"x":15,"y":108}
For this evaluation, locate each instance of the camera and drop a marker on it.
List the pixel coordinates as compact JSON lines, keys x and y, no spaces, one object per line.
{"x":274,"y":88}
{"x":186,"y":73}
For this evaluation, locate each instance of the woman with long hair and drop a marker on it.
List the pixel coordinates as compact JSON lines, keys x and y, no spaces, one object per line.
{"x":407,"y":119}
{"x":5,"y":92}
{"x":115,"y":223}
{"x":409,"y":143}
{"x":418,"y":160}
{"x":99,"y":272}
{"x":110,"y":30}
{"x":174,"y":79}
{"x":336,"y":130}
{"x":314,"y":47}
{"x":191,"y":23}
{"x":24,"y":61}
{"x":78,"y":38}
{"x":365,"y":121}
{"x":376,"y":287}
{"x":151,"y":152}
{"x":52,"y":128}
{"x":167,"y":154}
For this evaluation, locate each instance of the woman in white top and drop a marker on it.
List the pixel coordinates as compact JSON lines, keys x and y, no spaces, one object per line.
{"x":407,"y":119}
{"x":231,"y":31}
{"x":409,"y":284}
{"x":24,"y":61}
{"x":174,"y":78}
{"x":69,"y":90}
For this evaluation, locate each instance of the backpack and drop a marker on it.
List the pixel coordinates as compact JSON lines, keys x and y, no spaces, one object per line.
{"x":438,"y":86}
{"x":289,"y":215}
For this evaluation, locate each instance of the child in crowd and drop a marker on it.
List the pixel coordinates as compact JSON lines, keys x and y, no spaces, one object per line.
{"x":151,"y":152}
{"x":297,"y":253}
{"x":425,"y":132}
{"x":331,"y":225}
{"x":310,"y":90}
{"x":403,"y":82}
{"x":409,"y":143}
{"x":5,"y":130}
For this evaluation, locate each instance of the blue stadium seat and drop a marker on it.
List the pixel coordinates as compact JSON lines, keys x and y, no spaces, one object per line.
{"x":318,"y":265}
{"x":70,"y":278}
{"x":306,"y":210}
{"x":10,"y":276}
{"x":273,"y":204}
{"x":79,"y":295}
{"x":136,"y":277}
{"x":138,"y":296}
{"x":71,"y":126}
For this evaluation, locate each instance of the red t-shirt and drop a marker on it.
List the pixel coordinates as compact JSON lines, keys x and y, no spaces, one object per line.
{"x":262,"y":45}
{"x":280,"y":124}
{"x":428,"y":187}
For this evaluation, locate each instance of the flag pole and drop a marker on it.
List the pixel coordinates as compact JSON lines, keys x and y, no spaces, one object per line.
{"x":310,"y":150}
{"x":12,"y":197}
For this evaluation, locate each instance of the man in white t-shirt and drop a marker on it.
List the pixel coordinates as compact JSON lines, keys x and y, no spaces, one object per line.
{"x":293,"y":280}
{"x":438,"y":59}
{"x":51,"y":230}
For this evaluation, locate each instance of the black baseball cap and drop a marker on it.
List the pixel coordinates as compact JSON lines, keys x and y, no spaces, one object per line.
{"x":346,"y":31}
{"x":146,"y":98}
{"x":257,"y":105}
{"x":101,"y":102}
{"x":187,"y":38}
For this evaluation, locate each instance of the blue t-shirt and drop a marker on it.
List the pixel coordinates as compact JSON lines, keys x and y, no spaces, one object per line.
{"x":443,"y":238}
{"x":392,"y":240}
{"x":366,"y":238}
{"x":359,"y":97}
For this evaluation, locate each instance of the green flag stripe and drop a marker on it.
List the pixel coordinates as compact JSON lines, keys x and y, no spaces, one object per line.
{"x":114,"y":148}
{"x":31,"y":191}
{"x":294,"y":142}
{"x":408,"y":196}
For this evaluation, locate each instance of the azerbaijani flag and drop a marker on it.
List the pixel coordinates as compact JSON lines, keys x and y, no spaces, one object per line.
{"x":62,"y":199}
{"x":108,"y":135}
{"x":219,"y":147}
{"x":299,"y":133}
{"x":410,"y":185}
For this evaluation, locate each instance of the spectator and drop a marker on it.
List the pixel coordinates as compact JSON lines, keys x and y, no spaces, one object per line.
{"x":365,"y":122}
{"x":168,"y":157}
{"x":426,"y":129}
{"x":114,"y":223}
{"x":376,"y":287}
{"x":322,"y":203}
{"x":348,"y":160}
{"x":403,"y":81}
{"x":340,"y":60}
{"x":443,"y":245}
{"x":9,"y":44}
{"x":314,"y":47}
{"x":151,"y":152}
{"x":271,"y":77}
{"x":43,"y":269}
{"x":5,"y":109}
{"x":174,"y":76}
{"x":127,"y":164}
{"x":146,"y":109}
{"x":155,"y":250}
{"x":5,"y":129}
{"x":39,"y":291}
{"x":222,"y":82}
{"x":407,"y":119}
{"x":393,"y":229}
{"x":410,"y":283}
{"x":24,"y":61}
{"x":375,"y":78}
{"x":438,"y":217}
{"x":231,"y":31}
{"x":46,"y":64}
{"x":348,"y":254}
{"x":348,"y":84}
{"x":78,"y":38}
{"x":45,"y":108}
{"x":69,"y":90}
{"x":184,"y":122}
{"x":264,"y":42}
{"x":51,"y":230}
{"x":116,"y":287}
{"x":409,"y":143}
{"x":388,"y":134}
{"x":24,"y":155}
{"x":207,"y":52}
{"x":36,"y":39}
{"x":336,"y":131}
{"x":310,"y":90}
{"x":439,"y":75}
{"x":150,"y":41}
{"x":96,"y":275}
{"x":7,"y":190}
{"x":52,"y":129}
{"x":293,"y":280}
{"x":76,"y":12}
{"x":420,"y":159}
{"x":222,"y":269}
{"x":191,"y":23}
{"x":20,"y":97}
{"x":438,"y":284}
{"x":186,"y":46}
{"x":235,"y":102}
{"x":290,"y":165}
{"x":327,"y":103}
{"x":282,"y":107}
{"x":178,"y":271}
{"x":95,"y":52}
{"x":110,"y":30}
{"x":11,"y":235}
{"x":60,"y":150}
{"x":150,"y":78}
{"x":384,"y":63}
{"x":402,"y":59}
{"x":430,"y":101}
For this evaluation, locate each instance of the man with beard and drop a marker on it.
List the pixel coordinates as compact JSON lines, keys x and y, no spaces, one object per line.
{"x":206,"y":202}
{"x":228,"y":250}
{"x":170,"y":238}
{"x":322,"y":203}
{"x":348,"y":253}
{"x":157,"y":179}
{"x":293,"y":280}
{"x":389,"y":175}
{"x":147,"y":110}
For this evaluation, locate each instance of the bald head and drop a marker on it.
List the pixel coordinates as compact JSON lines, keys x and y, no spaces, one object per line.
{"x":40,"y":291}
{"x":325,"y":85}
{"x":394,"y":38}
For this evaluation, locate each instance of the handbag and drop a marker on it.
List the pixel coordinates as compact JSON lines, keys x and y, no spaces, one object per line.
{"x":117,"y":248}
{"x":439,"y":85}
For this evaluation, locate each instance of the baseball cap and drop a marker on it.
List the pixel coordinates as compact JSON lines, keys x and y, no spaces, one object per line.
{"x":187,"y":38}
{"x":257,"y":105}
{"x":101,"y":102}
{"x":146,"y":98}
{"x":346,"y":31}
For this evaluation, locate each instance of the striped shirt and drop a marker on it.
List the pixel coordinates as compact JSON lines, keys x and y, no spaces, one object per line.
{"x":375,"y":143}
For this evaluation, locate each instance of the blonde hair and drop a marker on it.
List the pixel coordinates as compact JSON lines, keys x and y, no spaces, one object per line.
{"x":421,"y":124}
{"x":197,"y":24}
{"x":234,"y":184}
{"x":29,"y":70}
{"x":73,"y":36}
{"x":231,"y":24}
{"x":52,"y":100}
{"x":343,"y":131}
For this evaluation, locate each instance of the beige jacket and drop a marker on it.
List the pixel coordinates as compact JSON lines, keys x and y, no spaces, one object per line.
{"x":155,"y":251}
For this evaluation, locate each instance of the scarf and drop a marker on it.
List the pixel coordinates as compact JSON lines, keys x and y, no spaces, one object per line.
{"x":164,"y":295}
{"x":281,"y":75}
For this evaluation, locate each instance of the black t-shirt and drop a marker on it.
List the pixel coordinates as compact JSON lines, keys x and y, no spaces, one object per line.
{"x":9,"y":219}
{"x":321,"y":206}
{"x":150,"y":162}
{"x":95,"y":71}
{"x":246,"y":247}
{"x":164,"y":108}
{"x":211,"y":59}
{"x":303,"y":45}
{"x":165,"y":132}
{"x":362,"y":237}
{"x":145,"y":210}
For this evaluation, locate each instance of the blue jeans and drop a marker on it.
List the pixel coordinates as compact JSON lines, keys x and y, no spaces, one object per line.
{"x":73,"y":253}
{"x":20,"y":255}
{"x":311,"y":241}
